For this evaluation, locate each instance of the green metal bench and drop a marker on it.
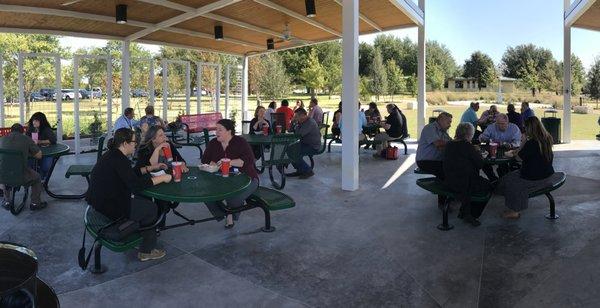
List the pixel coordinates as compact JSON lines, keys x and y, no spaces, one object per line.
{"x":86,"y":170}
{"x":324,"y":129}
{"x":94,"y":222}
{"x":12,"y":175}
{"x":269,"y":200}
{"x":434,"y":186}
{"x":561,"y":177}
{"x":284,"y":150}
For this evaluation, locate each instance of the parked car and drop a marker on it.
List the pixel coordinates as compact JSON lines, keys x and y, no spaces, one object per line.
{"x":85,"y":94}
{"x":48,"y":93}
{"x":36,"y":97}
{"x":139,"y":93}
{"x":203,"y":92}
{"x":96,"y":93}
{"x":67,"y":94}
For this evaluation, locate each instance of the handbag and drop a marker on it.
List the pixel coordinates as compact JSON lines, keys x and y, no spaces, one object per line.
{"x":391,"y":153}
{"x":113,"y":231}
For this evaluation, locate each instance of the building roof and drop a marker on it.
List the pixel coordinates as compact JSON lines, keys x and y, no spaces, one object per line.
{"x":247,"y":24}
{"x":584,"y":14}
{"x":473,"y":78}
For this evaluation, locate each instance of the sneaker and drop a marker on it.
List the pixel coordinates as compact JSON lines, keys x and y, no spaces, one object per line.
{"x":37,"y":206}
{"x":155,"y":254}
{"x":306,"y":175}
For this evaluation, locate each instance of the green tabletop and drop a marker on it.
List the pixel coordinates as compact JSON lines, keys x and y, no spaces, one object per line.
{"x":259,"y":139}
{"x":54,"y":149}
{"x":199,"y":186}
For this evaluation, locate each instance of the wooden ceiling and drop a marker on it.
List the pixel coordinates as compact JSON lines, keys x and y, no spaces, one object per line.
{"x":247,"y":24}
{"x":590,"y":19}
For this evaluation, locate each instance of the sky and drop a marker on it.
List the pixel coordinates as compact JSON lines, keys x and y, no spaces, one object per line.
{"x":490,"y":26}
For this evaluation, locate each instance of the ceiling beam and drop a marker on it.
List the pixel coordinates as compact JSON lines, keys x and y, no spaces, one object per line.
{"x":364,"y":18}
{"x":223,"y":19}
{"x":298,"y":16}
{"x":576,"y":10}
{"x":110,"y":19}
{"x":411,"y":10}
{"x":181,"y":18}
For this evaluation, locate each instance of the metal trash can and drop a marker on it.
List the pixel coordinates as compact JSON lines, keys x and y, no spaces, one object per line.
{"x":434,"y":114}
{"x":552,"y":124}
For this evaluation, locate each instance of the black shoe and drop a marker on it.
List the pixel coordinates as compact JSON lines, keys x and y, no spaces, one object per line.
{"x":306,"y":175}
{"x":472,"y":220}
{"x":293,"y":174}
{"x":37,"y":206}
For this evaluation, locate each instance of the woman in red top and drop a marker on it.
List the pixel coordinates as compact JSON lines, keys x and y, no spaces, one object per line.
{"x":289,"y":113}
{"x":228,"y":145}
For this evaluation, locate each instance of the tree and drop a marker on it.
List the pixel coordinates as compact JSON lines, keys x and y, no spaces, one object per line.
{"x":412,"y":85}
{"x":531,"y":60}
{"x":271,"y":78}
{"x":529,"y":76}
{"x":365,"y":59}
{"x":593,"y":80}
{"x":330,"y":57}
{"x":295,"y":62}
{"x":379,"y":82}
{"x":313,"y":75}
{"x":481,"y":67}
{"x":577,"y":75}
{"x":396,"y":82}
{"x":440,"y":56}
{"x":435,"y":76}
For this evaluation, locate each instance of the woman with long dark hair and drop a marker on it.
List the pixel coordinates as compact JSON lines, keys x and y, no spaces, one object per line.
{"x":257,"y":124}
{"x":151,"y":150}
{"x":536,"y":172}
{"x":228,"y":145}
{"x":112,"y":183}
{"x":38,"y":124}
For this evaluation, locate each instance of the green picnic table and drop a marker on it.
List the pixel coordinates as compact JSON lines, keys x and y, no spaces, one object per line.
{"x":55,"y":151}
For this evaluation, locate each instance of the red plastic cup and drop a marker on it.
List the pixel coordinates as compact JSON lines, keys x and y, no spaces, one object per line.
{"x":265,"y":130}
{"x":278,"y":129}
{"x":167,"y":153}
{"x":225,"y":163}
{"x":177,"y":165}
{"x":493,"y":149}
{"x":35,"y":136}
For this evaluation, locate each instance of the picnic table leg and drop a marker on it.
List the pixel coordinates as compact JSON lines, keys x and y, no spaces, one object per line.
{"x":445,"y":226}
{"x":47,"y":180}
{"x":267,"y":227}
{"x":281,"y":170}
{"x":552,"y":214}
{"x":98,"y":267}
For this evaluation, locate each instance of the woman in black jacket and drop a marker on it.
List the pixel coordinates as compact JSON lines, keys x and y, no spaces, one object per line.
{"x":112,"y":183}
{"x":462,"y":163}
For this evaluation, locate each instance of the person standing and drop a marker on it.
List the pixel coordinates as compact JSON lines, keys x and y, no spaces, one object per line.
{"x":16,"y":140}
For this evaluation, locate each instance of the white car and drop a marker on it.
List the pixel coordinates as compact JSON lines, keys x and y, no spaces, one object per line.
{"x":68,"y":94}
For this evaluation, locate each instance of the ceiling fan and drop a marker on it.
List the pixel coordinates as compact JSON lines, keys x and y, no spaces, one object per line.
{"x":71,"y":2}
{"x":286,"y":36}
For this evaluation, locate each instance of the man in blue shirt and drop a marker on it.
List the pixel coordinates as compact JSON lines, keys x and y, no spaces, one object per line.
{"x":126,"y":120}
{"x":526,"y":112}
{"x":362,"y":122}
{"x":501,"y":132}
{"x":470,"y":115}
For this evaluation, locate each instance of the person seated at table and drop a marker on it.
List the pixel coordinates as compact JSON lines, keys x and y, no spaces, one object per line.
{"x":395,"y":127}
{"x":503,"y":133}
{"x":536,"y":171}
{"x":299,"y":104}
{"x":228,"y":145}
{"x":257,"y":124}
{"x":38,"y":123}
{"x":16,"y":140}
{"x":431,"y":144}
{"x":362,"y":122}
{"x":287,"y":111}
{"x":514,"y":117}
{"x":112,"y":183}
{"x":310,"y":143}
{"x":470,"y":115}
{"x":488,"y":117}
{"x":150,"y":119}
{"x":126,"y":120}
{"x":526,"y":112}
{"x":314,"y":111}
{"x":335,"y":127}
{"x":373,"y":115}
{"x":270,"y":109}
{"x":461,"y":164}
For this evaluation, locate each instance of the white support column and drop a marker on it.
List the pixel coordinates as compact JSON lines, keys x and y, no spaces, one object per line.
{"x":244,"y":87}
{"x":218,"y":89}
{"x":199,"y":88}
{"x":227,"y":85}
{"x":421,"y":88}
{"x":2,"y":113}
{"x":58,"y":81}
{"x":165,"y":87}
{"x":151,"y":82}
{"x":109,"y":94}
{"x":350,"y":158}
{"x":188,"y":85}
{"x":21,"y":90}
{"x":566,"y":135}
{"x":125,"y":93}
{"x":76,"y":102}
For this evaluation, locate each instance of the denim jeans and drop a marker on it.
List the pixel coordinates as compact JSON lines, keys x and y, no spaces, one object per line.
{"x":305,"y":150}
{"x":42,"y":166}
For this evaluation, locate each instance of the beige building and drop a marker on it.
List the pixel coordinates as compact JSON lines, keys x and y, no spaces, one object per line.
{"x":463,"y":84}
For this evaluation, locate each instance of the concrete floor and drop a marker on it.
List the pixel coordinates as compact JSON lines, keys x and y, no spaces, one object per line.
{"x":373,"y":247}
